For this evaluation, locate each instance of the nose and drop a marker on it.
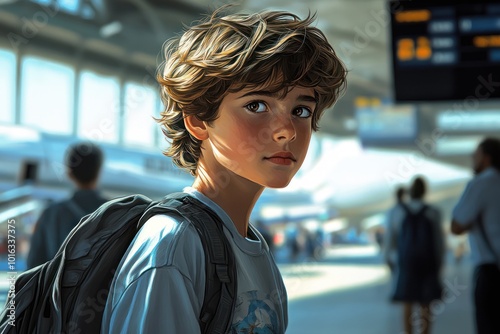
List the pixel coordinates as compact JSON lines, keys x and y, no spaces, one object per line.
{"x":283,"y":129}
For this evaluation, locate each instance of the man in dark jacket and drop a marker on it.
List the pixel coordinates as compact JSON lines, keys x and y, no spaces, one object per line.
{"x":83,"y":162}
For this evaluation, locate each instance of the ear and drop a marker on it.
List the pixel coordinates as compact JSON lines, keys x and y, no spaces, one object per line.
{"x":196,"y":127}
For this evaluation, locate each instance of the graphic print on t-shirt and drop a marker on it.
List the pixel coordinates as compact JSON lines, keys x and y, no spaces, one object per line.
{"x":255,"y":313}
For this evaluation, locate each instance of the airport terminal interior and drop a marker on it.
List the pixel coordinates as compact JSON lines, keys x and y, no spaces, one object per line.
{"x":422,"y":92}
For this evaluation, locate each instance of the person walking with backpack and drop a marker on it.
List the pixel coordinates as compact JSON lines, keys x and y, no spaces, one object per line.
{"x":478,"y":213}
{"x":83,"y":162}
{"x":390,"y":232}
{"x":242,"y":94}
{"x":419,"y":248}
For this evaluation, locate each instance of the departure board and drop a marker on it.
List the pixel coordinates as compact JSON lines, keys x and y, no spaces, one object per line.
{"x":445,"y":50}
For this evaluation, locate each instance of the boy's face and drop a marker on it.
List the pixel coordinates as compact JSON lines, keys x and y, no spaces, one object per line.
{"x":259,"y":136}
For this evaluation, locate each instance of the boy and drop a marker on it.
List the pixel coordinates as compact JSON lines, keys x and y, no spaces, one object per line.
{"x":242,"y":95}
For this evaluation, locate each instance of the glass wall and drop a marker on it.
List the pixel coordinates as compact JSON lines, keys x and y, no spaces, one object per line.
{"x":99,"y":107}
{"x":47,"y":95}
{"x":109,"y":108}
{"x":140,"y":107}
{"x":7,"y":85}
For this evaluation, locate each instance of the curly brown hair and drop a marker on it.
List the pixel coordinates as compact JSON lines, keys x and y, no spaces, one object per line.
{"x":274,"y":50}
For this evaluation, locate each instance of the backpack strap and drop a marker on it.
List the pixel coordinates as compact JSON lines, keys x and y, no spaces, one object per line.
{"x":221,"y":286}
{"x":423,"y":209}
{"x":407,"y":210}
{"x":77,"y":212}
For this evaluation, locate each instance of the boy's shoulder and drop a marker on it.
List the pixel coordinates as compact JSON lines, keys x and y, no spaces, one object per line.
{"x":164,"y":240}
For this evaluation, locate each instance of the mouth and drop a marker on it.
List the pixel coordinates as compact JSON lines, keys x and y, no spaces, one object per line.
{"x":281,"y":158}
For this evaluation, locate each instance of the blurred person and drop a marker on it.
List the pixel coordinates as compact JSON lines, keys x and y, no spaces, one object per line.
{"x":378,"y":235}
{"x":295,"y":240}
{"x":419,"y":244}
{"x":310,"y":244}
{"x":390,"y":234}
{"x":225,"y":82}
{"x":319,"y":239}
{"x":266,"y":234}
{"x":83,"y":163}
{"x":314,"y":244}
{"x":478,"y":213}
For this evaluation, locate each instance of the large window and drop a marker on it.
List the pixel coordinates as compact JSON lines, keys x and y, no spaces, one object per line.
{"x":47,"y":95}
{"x":141,"y":105}
{"x":70,"y":6}
{"x":43,"y":2}
{"x":85,"y":9}
{"x":7,"y":85}
{"x":99,"y":107}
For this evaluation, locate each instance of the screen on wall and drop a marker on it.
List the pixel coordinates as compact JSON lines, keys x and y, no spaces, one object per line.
{"x":387,"y":124}
{"x":445,"y":50}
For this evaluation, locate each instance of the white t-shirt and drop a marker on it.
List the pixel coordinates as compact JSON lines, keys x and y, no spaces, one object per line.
{"x":481,"y":198}
{"x":160,"y":283}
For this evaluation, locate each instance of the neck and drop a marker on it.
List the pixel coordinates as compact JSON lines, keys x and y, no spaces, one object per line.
{"x":89,"y":186}
{"x":482,"y":169}
{"x":237,"y":197}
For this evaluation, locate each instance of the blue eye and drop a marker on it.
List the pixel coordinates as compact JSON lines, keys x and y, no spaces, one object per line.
{"x":302,"y":112}
{"x":256,"y":107}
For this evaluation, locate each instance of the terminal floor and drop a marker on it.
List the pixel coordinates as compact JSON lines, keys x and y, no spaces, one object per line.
{"x":348,"y":293}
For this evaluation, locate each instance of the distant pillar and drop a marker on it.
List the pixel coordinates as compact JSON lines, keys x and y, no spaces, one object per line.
{"x":18,"y":85}
{"x":76,"y":88}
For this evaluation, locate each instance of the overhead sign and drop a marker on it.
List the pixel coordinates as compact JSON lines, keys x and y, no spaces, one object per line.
{"x":386,"y":123}
{"x":445,"y":50}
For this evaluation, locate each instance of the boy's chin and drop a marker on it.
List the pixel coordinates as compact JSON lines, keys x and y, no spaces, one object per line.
{"x":277,"y":184}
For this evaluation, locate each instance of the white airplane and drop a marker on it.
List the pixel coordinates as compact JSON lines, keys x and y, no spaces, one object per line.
{"x":338,"y":180}
{"x":359,"y":183}
{"x":35,"y":159}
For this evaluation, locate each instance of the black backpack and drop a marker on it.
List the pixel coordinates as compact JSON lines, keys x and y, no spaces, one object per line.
{"x":49,"y":297}
{"x":416,"y":242}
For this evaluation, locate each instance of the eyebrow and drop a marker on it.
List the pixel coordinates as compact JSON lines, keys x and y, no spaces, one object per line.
{"x":302,"y":98}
